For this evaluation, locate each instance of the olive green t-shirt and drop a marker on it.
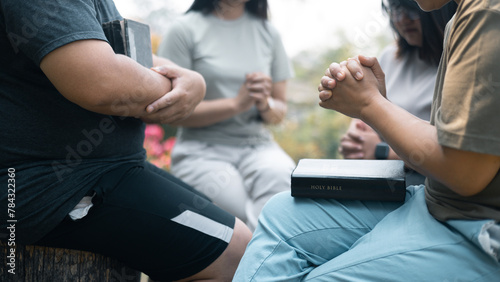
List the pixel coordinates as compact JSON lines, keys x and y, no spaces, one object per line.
{"x":466,"y":106}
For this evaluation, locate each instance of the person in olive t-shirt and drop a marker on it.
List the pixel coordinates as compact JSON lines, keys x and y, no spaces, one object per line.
{"x":72,"y":130}
{"x":447,"y":229}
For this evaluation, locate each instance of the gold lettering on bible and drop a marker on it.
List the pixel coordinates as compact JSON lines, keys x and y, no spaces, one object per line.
{"x":318,"y":187}
{"x":334,"y":188}
{"x":326,"y":187}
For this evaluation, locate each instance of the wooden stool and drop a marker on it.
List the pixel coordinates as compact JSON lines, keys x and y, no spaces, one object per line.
{"x":36,"y":263}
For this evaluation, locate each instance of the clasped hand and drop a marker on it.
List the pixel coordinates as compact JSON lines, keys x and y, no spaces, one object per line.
{"x":188,"y":90}
{"x":256,"y":90}
{"x":350,"y":86}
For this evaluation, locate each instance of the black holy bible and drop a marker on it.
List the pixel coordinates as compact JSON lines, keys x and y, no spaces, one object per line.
{"x":375,"y":180}
{"x":130,"y":38}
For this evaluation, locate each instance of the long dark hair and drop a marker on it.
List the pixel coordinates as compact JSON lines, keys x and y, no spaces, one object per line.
{"x":258,"y":8}
{"x":433,"y":24}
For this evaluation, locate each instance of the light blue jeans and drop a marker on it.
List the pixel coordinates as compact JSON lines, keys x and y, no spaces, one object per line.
{"x":239,"y":179}
{"x":300,"y":239}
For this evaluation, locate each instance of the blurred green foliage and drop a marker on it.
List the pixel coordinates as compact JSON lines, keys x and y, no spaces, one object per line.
{"x":309,"y":130}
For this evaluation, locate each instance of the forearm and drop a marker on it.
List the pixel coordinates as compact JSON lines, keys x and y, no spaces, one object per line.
{"x":91,"y":75}
{"x":210,"y":112}
{"x":161,"y":61}
{"x":392,"y":155}
{"x":416,"y":142}
{"x":131,"y":89}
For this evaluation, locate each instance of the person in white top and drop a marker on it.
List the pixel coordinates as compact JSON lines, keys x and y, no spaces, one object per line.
{"x":410,"y":67}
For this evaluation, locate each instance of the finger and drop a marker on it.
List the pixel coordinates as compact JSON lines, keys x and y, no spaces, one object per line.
{"x":361,"y":125}
{"x":255,"y":87}
{"x":328,"y":74}
{"x":258,"y":96}
{"x":372,"y":62}
{"x":355,"y":69}
{"x":162,"y":102}
{"x":354,"y":156}
{"x":345,"y":138}
{"x":349,"y":149}
{"x":367,"y":61}
{"x":336,"y":71}
{"x":355,"y":137}
{"x":348,"y":146}
{"x":259,"y":87}
{"x":260,"y":77}
{"x":167,"y":100}
{"x":163,"y":116}
{"x":168,"y":71}
{"x":325,"y":95}
{"x":169,"y":114}
{"x":328,"y":83}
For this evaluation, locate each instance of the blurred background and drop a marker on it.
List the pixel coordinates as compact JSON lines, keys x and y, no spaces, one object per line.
{"x":315,"y":33}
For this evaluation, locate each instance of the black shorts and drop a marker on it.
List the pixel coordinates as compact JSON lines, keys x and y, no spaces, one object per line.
{"x":151,"y":221}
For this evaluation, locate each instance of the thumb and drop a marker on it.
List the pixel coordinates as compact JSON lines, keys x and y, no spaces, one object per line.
{"x":167,"y":71}
{"x":370,"y":62}
{"x":366,"y":61}
{"x":373,"y":64}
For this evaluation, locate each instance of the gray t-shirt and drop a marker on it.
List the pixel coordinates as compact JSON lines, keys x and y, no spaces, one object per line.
{"x":58,"y":149}
{"x":467,"y":103}
{"x":224,"y":52}
{"x":410,"y":81}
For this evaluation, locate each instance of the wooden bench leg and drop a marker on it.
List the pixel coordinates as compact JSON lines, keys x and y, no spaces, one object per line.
{"x":36,"y":263}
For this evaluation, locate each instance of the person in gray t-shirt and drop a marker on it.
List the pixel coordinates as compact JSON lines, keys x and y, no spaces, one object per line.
{"x":224,"y":148}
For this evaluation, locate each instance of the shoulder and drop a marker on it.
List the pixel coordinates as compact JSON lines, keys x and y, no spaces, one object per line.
{"x":472,"y":6}
{"x":186,"y":25}
{"x":271,"y":28}
{"x":188,"y":21}
{"x":192,"y":18}
{"x":268,"y":31}
{"x":47,"y":35}
{"x":476,"y":14}
{"x":474,"y":26}
{"x":388,"y":55}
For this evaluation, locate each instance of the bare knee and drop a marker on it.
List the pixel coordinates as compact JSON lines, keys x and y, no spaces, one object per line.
{"x":224,"y":267}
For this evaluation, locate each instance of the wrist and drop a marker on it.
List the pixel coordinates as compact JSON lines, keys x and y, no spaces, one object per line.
{"x":270,"y":105}
{"x":373,"y":109}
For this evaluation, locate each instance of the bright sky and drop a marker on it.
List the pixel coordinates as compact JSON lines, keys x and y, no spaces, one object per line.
{"x":307,"y":24}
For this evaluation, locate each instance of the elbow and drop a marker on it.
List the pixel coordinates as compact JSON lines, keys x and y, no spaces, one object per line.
{"x":468,"y":188}
{"x":101,"y":98}
{"x":98,"y":96}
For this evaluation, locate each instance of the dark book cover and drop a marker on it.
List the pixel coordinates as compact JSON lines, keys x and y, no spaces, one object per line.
{"x":130,"y":38}
{"x":376,"y":180}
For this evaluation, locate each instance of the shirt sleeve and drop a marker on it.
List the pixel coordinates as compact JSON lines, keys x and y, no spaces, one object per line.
{"x":36,"y":28}
{"x":469,"y":118}
{"x":281,"y":68}
{"x":177,"y":45}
